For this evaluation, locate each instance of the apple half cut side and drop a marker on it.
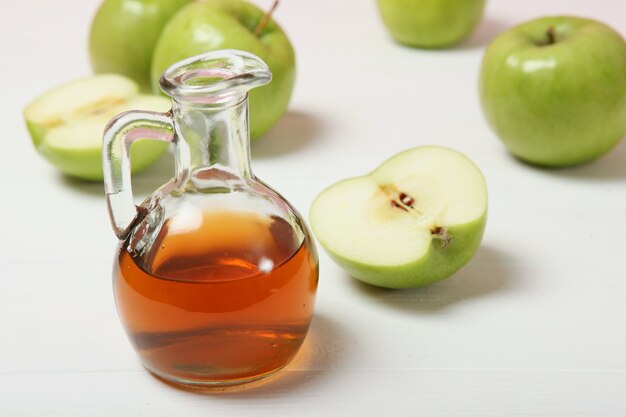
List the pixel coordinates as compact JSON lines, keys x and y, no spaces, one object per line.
{"x":416,"y":219}
{"x":66,"y":124}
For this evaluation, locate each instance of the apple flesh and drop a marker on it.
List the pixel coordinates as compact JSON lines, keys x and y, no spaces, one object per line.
{"x":124,"y":33}
{"x":66,"y":124}
{"x":554,"y":90}
{"x":430,"y":23}
{"x":416,"y":219}
{"x":230,"y":24}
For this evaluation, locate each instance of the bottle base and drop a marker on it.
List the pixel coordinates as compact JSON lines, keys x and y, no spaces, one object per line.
{"x":215,"y":386}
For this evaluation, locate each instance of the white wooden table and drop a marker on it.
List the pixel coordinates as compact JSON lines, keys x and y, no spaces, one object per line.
{"x":534,"y":326}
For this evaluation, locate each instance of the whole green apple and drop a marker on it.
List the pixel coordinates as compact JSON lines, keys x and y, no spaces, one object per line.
{"x":124,"y":33}
{"x":415,"y":220}
{"x":554,"y":90}
{"x":230,"y":24}
{"x":430,"y":23}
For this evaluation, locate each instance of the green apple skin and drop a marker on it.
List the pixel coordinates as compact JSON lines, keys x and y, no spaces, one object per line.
{"x":36,"y":131}
{"x":438,"y":263}
{"x":556,"y":104}
{"x":229,"y":24}
{"x":124,"y":33}
{"x":86,"y":163}
{"x":439,"y":260}
{"x":430,"y":24}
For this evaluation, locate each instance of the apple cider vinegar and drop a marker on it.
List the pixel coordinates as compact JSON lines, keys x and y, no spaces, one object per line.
{"x":230,"y":298}
{"x":216,"y":273}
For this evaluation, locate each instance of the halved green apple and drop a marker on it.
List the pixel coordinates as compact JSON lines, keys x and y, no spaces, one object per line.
{"x":66,"y":123}
{"x":416,"y":219}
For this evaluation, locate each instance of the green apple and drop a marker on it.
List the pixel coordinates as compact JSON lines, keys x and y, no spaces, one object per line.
{"x":124,"y":33}
{"x":554,"y":90}
{"x":430,"y":23}
{"x":230,"y":24}
{"x":66,"y":124}
{"x":416,"y":219}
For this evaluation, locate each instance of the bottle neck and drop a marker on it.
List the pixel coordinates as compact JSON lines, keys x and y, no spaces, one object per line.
{"x":213,"y":143}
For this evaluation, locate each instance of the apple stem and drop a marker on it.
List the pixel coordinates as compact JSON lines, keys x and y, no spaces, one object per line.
{"x":551,"y":35}
{"x":259,"y":28}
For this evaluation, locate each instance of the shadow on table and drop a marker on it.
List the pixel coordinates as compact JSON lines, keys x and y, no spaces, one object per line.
{"x":488,"y":29}
{"x":325,"y":346}
{"x":92,"y":188}
{"x":489,"y":272}
{"x":610,"y":167}
{"x":294,"y":131}
{"x":144,"y":183}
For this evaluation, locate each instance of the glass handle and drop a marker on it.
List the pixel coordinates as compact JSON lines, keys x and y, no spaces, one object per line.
{"x":119,"y":134}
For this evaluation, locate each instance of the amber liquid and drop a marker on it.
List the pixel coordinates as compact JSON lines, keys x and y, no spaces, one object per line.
{"x":227,"y":302}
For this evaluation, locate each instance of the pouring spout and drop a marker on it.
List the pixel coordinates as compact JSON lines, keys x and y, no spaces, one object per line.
{"x":215,"y":78}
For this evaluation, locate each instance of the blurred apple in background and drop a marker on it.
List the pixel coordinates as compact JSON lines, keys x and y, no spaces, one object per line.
{"x":554,"y":90}
{"x":233,"y":24}
{"x":124,"y":33}
{"x":430,"y":23}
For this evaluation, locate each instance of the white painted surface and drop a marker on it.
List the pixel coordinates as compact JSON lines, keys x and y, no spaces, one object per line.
{"x":534,"y":326}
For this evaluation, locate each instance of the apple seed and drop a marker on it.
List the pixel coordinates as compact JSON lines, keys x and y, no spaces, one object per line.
{"x":400,"y":199}
{"x":405,"y":201}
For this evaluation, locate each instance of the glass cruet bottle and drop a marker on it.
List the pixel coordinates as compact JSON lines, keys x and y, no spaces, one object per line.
{"x":216,"y":273}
